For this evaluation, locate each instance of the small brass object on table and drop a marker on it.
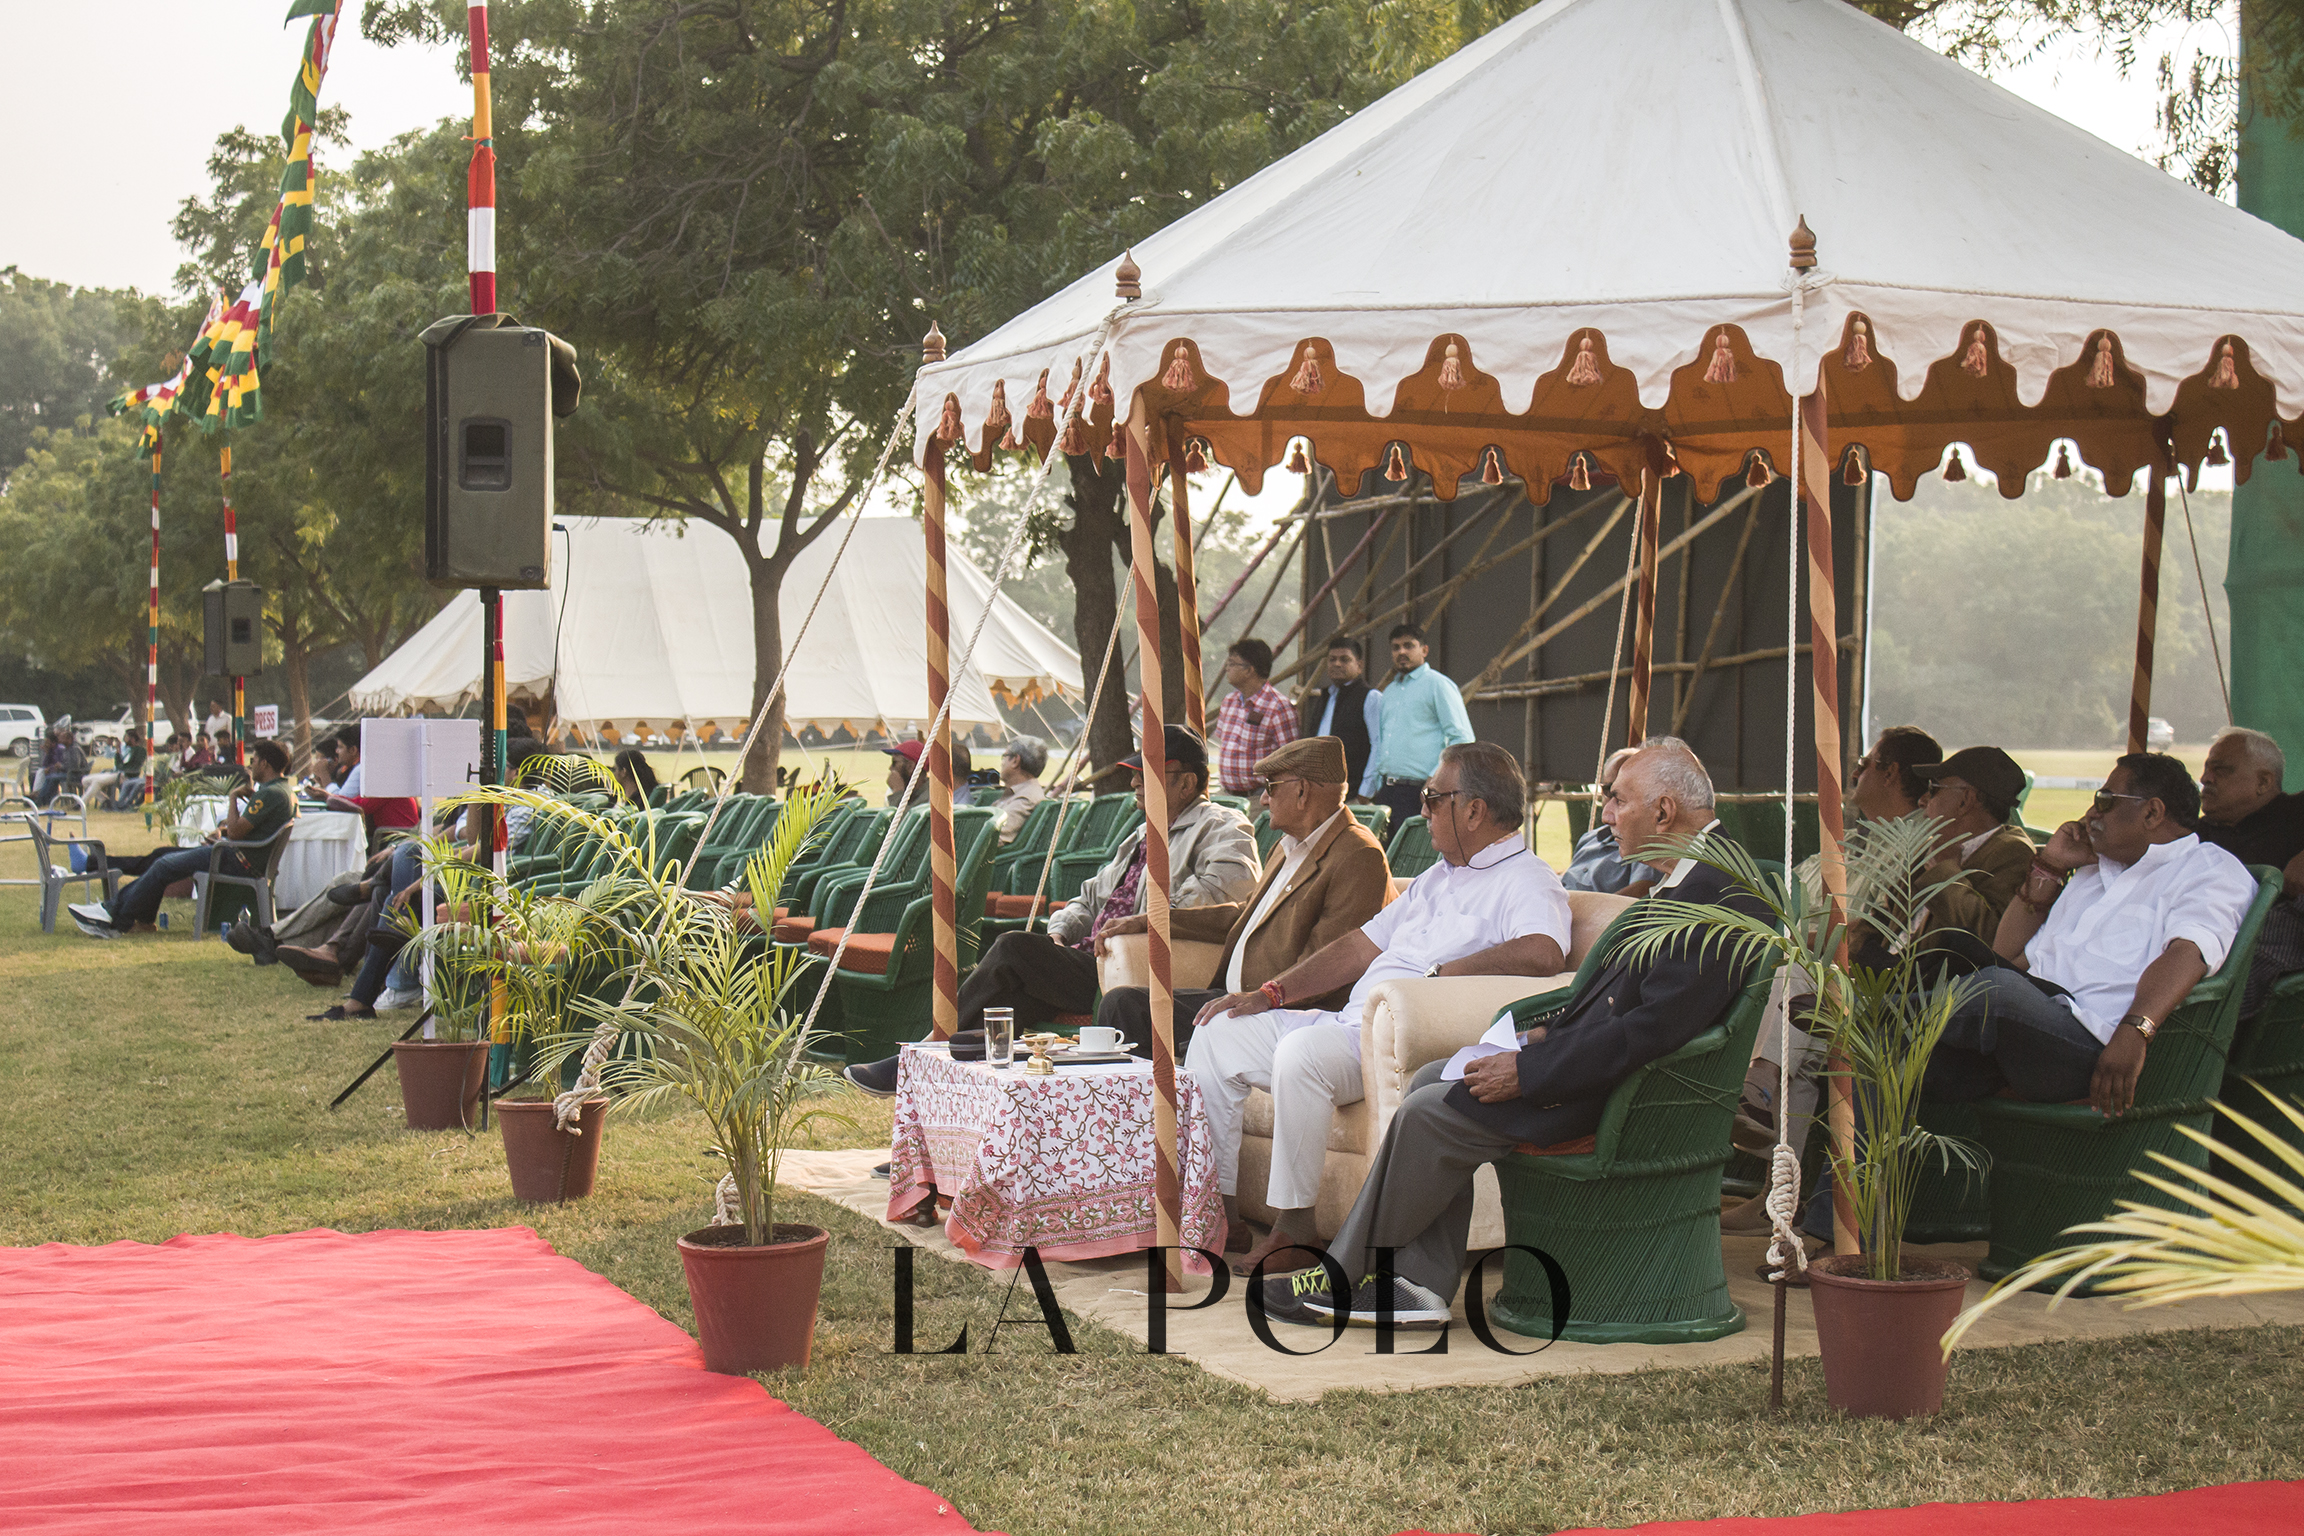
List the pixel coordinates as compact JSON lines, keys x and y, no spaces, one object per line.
{"x":1040,"y":1065}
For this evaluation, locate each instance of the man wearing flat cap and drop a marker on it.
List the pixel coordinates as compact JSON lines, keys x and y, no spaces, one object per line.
{"x":1326,"y":878}
{"x":1211,"y":858}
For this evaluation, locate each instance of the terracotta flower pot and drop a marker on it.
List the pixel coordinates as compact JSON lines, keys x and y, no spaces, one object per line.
{"x":755,"y":1307}
{"x":440,"y":1082}
{"x":1879,"y":1337}
{"x":548,"y":1165}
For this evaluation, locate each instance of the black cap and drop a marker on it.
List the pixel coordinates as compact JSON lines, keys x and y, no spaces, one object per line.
{"x":1993,"y":772}
{"x":1184,"y":749}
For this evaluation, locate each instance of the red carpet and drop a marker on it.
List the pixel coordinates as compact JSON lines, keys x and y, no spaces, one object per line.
{"x":392,"y":1382}
{"x":2231,"y":1509}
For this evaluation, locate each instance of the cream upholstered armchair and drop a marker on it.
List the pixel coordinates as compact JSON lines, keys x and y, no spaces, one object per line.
{"x":1409,"y":1023}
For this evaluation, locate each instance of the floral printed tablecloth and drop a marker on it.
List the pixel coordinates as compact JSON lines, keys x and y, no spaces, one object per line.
{"x":1060,"y":1163}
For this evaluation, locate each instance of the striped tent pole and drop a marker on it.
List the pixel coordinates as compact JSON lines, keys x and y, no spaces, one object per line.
{"x":480,"y":205}
{"x":1168,"y":1187}
{"x":944,"y":998}
{"x":1812,"y":456}
{"x":1644,"y":622}
{"x":232,"y":573}
{"x":152,"y":633}
{"x":2147,"y":605}
{"x":1187,"y":594}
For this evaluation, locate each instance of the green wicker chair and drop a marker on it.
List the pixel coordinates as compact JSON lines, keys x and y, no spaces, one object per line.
{"x":1376,"y":818}
{"x":1635,"y":1222}
{"x":1950,"y":1204}
{"x":2055,"y":1166}
{"x":2267,"y":1060}
{"x":1267,"y":835}
{"x":1411,"y":852}
{"x":876,"y":1010}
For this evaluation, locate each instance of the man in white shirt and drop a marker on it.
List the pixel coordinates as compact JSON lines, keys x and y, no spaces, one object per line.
{"x":2120,"y":915}
{"x":1489,"y":907}
{"x":218,"y":725}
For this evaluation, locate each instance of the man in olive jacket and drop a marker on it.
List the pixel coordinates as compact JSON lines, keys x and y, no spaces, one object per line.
{"x":1326,"y":877}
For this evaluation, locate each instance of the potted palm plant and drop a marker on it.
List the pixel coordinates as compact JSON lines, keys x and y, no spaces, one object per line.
{"x":702,"y":1007}
{"x":1878,"y":1313}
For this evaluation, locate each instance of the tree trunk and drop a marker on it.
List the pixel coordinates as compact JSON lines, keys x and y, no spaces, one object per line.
{"x":296,"y":658}
{"x":1097,"y":525}
{"x":761,"y":755}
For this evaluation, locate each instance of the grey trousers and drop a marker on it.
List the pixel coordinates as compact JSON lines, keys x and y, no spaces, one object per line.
{"x":1418,"y":1198}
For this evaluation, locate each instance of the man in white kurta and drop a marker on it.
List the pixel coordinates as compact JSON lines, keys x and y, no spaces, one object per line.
{"x":1488,"y":907}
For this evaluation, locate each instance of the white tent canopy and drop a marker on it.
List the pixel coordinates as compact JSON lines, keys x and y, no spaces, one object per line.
{"x":1635,"y":166}
{"x":653,"y":624}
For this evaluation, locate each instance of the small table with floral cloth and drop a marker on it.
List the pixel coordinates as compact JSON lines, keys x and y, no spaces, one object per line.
{"x":1062,"y":1163}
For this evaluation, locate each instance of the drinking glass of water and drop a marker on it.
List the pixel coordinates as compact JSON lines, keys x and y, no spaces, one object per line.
{"x":999,"y":1036}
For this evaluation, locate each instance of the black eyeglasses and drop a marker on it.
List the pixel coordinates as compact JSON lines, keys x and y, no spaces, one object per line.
{"x":2102,"y":804}
{"x":1266,"y":786}
{"x":1432,"y":797}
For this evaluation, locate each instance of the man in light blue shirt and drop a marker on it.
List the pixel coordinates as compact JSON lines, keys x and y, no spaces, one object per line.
{"x":1423,"y":716}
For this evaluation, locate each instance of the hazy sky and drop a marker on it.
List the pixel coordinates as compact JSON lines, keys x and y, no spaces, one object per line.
{"x":116,"y":105}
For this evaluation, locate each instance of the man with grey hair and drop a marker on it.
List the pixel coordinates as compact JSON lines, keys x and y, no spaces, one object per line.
{"x":1488,"y":907}
{"x":1596,"y":864}
{"x":1417,"y":1202}
{"x":1021,"y":764}
{"x":2242,"y":809}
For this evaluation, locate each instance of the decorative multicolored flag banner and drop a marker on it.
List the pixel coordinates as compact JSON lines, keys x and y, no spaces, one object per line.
{"x":223,"y":389}
{"x":279,"y":260}
{"x":304,"y":95}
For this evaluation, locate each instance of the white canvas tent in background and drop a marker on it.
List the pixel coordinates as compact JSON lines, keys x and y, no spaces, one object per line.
{"x":654,"y":625}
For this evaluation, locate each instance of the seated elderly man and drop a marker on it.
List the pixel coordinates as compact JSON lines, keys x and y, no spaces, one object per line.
{"x":1489,"y":907}
{"x":1021,"y":764}
{"x":1595,"y":864}
{"x":1418,"y":1198}
{"x":2242,"y":810}
{"x":1211,"y":858}
{"x":1329,"y":878}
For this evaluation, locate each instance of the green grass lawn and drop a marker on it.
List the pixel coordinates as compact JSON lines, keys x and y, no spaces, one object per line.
{"x":163,"y":1085}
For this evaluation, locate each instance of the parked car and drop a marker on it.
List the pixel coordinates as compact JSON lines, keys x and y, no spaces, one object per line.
{"x":101,"y":738}
{"x":2159,"y":735}
{"x":21,"y":727}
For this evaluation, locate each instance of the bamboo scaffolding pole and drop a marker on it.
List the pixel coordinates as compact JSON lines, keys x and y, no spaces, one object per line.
{"x":1719,"y":616}
{"x":1581,"y":680}
{"x":1335,"y":574}
{"x":1536,"y":610}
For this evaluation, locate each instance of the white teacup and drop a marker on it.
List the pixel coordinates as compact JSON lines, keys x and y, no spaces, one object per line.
{"x":1099,"y":1037}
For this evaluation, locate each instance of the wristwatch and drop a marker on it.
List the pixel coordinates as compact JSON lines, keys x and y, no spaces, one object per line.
{"x":2143,"y":1023}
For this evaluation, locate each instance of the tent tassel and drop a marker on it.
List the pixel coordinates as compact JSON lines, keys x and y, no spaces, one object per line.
{"x":1100,"y":391}
{"x":1117,"y":448}
{"x":1955,"y":470}
{"x":1851,"y":467}
{"x":1491,"y":471}
{"x":2063,"y":462}
{"x":998,"y":422}
{"x":1584,"y":371}
{"x":1071,"y":388}
{"x":1196,"y":457}
{"x":1298,"y":464}
{"x":1979,"y":359}
{"x":1395,"y":466}
{"x":1579,"y":477}
{"x":1041,"y":408}
{"x":2217,"y":457}
{"x":2100,"y":373}
{"x":1758,"y":471}
{"x":1723,"y":366}
{"x":2277,"y":448}
{"x":1858,"y":357}
{"x":1179,"y":374}
{"x":1307,"y":380}
{"x":1451,"y":370}
{"x":1075,"y":440}
{"x":950,"y":428}
{"x":2227,"y":370}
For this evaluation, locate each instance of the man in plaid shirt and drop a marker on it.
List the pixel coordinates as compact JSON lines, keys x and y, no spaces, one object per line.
{"x":1255,"y":721}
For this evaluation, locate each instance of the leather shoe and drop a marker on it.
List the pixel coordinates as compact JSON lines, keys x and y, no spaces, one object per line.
{"x":1746,"y":1218}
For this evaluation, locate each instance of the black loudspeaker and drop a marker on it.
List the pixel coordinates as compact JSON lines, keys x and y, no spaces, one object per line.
{"x":492,"y":389}
{"x":233,"y":626}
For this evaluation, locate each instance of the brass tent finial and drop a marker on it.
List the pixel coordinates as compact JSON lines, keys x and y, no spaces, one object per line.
{"x":1803,"y":246}
{"x":1128,"y":278}
{"x":932,"y":345}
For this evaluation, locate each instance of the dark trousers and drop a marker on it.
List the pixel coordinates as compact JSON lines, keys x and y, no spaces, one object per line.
{"x":1033,"y":974}
{"x":1418,"y":1198}
{"x":1129,"y":1010}
{"x":1404,"y":797}
{"x":2013,"y":1035}
{"x":139,"y":902}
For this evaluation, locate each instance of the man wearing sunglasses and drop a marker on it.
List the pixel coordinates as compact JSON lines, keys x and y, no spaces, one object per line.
{"x":2117,"y":919}
{"x":1489,"y":907}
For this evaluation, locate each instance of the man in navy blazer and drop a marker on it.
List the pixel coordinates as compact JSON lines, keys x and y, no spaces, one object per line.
{"x":1418,"y":1198}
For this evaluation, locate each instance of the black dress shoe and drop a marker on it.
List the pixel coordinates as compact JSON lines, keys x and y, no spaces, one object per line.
{"x":241,"y":937}
{"x":877,"y":1078}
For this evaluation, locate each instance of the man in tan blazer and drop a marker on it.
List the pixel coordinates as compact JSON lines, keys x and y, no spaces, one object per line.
{"x":1326,"y":878}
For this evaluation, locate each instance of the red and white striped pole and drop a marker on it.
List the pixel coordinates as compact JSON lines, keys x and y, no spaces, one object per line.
{"x":1644,"y":623}
{"x":480,"y":211}
{"x":2148,"y":606}
{"x":232,"y":573}
{"x":943,"y":864}
{"x":1187,"y":593}
{"x":152,"y":633}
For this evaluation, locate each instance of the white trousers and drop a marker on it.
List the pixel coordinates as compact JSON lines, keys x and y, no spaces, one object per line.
{"x":1307,"y":1062}
{"x":1790,"y":990}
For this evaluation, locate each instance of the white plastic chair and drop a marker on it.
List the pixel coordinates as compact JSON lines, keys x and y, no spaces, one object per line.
{"x":54,"y":876}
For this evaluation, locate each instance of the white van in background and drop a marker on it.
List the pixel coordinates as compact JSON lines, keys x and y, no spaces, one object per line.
{"x":21,"y":728}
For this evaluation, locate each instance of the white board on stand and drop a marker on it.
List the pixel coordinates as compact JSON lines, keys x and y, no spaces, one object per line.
{"x":423,"y":759}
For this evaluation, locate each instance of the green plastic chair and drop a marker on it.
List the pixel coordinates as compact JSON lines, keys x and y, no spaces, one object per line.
{"x":1635,"y":1222}
{"x":1109,"y":826}
{"x":2267,"y":1061}
{"x":2055,"y":1166}
{"x":1411,"y":852}
{"x":1267,"y":835}
{"x":1015,"y":868}
{"x":1237,"y":802}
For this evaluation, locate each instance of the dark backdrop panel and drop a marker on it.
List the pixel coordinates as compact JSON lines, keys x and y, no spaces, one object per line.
{"x":1733,"y":715}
